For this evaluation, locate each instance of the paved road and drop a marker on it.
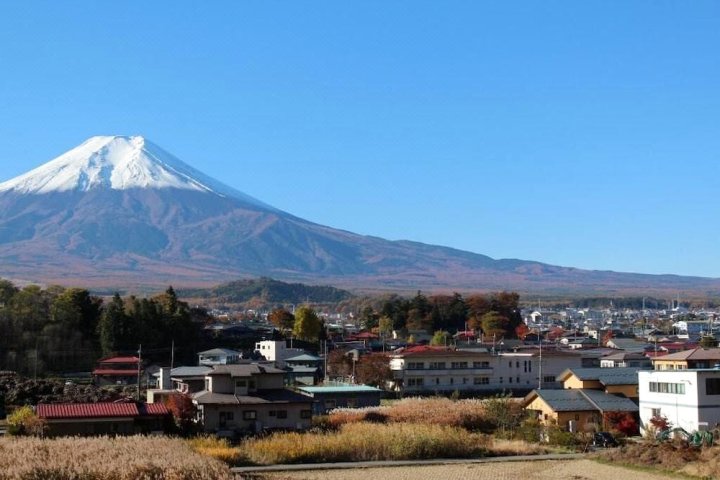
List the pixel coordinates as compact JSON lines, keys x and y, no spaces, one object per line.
{"x":401,"y":463}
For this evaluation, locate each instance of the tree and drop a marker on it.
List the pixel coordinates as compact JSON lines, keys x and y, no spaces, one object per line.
{"x":708,"y":341}
{"x":522,"y":331}
{"x":114,"y":326}
{"x":440,"y":338}
{"x":385,"y":326}
{"x":183,"y":411}
{"x":373,"y":369}
{"x":282,"y":319}
{"x":307,"y":324}
{"x":339,"y":364}
{"x":368,"y":318}
{"x":494,"y":324}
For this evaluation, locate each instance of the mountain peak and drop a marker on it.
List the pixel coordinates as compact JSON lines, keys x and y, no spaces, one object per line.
{"x":118,"y":162}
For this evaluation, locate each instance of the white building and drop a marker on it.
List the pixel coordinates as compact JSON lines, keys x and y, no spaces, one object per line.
{"x":426,"y":369}
{"x":277,"y":351}
{"x":689,"y":399}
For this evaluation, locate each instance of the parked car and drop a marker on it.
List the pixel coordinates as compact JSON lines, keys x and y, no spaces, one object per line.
{"x":604,"y":439}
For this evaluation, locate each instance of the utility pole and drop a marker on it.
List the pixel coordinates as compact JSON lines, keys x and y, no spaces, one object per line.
{"x":138,"y":372}
{"x":172,"y":355}
{"x":540,"y":377}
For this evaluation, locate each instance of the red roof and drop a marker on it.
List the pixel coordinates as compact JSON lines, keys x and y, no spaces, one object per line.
{"x":119,"y":360}
{"x":114,"y":372}
{"x":99,"y":410}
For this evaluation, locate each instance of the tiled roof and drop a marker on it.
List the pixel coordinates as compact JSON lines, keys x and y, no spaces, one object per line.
{"x":606,"y":376}
{"x":115,"y":372}
{"x":219,"y":351}
{"x":127,"y":359}
{"x":243,"y":370}
{"x":583,"y":400}
{"x":99,"y":410}
{"x":695,"y":354}
{"x":264,"y":397}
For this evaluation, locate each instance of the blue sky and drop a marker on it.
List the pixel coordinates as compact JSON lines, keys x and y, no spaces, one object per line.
{"x":583,"y":134}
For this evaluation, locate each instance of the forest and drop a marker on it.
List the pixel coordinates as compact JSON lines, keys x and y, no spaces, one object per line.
{"x":56,"y":329}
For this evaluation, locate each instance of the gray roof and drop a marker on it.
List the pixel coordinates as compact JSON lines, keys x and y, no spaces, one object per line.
{"x":193,"y":371}
{"x":304,"y":358}
{"x":220,"y":351}
{"x":243,"y":370}
{"x":583,"y":400}
{"x":263,"y":397}
{"x":340,"y":389}
{"x":606,"y":376}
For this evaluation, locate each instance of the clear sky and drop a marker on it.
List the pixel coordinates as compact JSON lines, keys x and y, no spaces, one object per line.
{"x":578,"y":133}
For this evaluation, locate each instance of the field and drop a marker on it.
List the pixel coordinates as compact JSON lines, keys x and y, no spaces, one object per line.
{"x":535,"y":470}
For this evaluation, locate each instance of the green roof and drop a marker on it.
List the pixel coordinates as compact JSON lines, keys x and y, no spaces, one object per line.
{"x":339,"y":389}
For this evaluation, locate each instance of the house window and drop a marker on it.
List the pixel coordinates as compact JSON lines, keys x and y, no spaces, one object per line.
{"x":481,"y":364}
{"x":654,"y":412}
{"x":281,"y":414}
{"x":459,"y":364}
{"x":305,"y":413}
{"x":415,"y":365}
{"x":712,"y":386}
{"x":509,"y":379}
{"x":501,"y":380}
{"x":577,"y":417}
{"x":251,"y":385}
{"x":207,"y":384}
{"x":481,"y":381}
{"x":548,"y":378}
{"x":330,"y":403}
{"x":415,"y":382}
{"x":676,"y":388}
{"x":437,"y":365}
{"x":518,"y":379}
{"x":517,"y":364}
{"x":510,"y":364}
{"x":452,"y":380}
{"x":240,"y":383}
{"x":249,"y":415}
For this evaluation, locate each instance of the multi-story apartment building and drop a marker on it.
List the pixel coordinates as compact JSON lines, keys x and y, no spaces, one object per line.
{"x":426,"y":369}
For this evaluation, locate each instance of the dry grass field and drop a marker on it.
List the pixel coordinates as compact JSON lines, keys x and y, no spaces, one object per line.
{"x":536,"y":470}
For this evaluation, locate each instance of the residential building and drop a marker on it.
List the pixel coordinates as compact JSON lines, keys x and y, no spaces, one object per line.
{"x":688,"y":398}
{"x":277,"y":351}
{"x":250,"y":397}
{"x":614,"y":381}
{"x":696,"y":358}
{"x":218,"y":356}
{"x":424,"y":369}
{"x":626,"y":359}
{"x":329,"y":396}
{"x":117,"y":371}
{"x":575,"y":409}
{"x":103,"y":418}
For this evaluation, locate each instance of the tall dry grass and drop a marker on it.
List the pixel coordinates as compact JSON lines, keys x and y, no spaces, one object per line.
{"x":471,"y":414}
{"x":367,"y":441}
{"x":104,"y":458}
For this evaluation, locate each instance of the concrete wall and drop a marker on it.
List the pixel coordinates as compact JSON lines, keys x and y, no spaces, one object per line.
{"x":264,"y":420}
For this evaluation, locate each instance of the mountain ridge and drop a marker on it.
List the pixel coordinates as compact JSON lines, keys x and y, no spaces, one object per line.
{"x":147,"y":224}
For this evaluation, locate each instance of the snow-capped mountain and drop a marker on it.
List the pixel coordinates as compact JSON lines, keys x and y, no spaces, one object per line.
{"x":121,"y":211}
{"x":118,"y":163}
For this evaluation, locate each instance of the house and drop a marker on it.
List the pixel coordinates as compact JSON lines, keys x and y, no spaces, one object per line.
{"x":628,"y":344}
{"x":341,"y":395}
{"x":304,"y":369}
{"x":614,"y":381}
{"x":696,"y":358}
{"x":218,"y":356}
{"x":117,"y":371}
{"x":426,"y":369}
{"x":277,"y":351}
{"x":626,"y":359}
{"x":687,"y":398}
{"x":178,"y":380}
{"x":574,"y":409}
{"x":250,"y":397}
{"x":130,"y":418}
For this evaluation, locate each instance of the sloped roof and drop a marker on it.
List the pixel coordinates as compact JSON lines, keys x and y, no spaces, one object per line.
{"x":582,"y":400}
{"x":219,"y":351}
{"x":304,"y":358}
{"x":606,"y":376}
{"x":625,"y":356}
{"x":698,"y":353}
{"x":126,"y":359}
{"x":243,"y":370}
{"x":339,"y":389}
{"x":280,"y":395}
{"x":99,"y":410}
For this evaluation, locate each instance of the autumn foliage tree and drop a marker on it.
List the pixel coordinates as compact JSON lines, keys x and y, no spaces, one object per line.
{"x":183,"y":411}
{"x":373,"y":369}
{"x":282,"y":319}
{"x":307,"y":324}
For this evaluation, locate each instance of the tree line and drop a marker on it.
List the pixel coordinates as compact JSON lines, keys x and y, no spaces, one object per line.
{"x":58,"y":329}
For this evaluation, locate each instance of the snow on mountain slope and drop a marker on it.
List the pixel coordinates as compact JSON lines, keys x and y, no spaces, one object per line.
{"x":119,"y":163}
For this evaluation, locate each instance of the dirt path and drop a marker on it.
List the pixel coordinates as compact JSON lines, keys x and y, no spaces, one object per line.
{"x":534,"y":470}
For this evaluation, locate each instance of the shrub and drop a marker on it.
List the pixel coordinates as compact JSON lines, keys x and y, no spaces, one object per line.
{"x":24,"y":421}
{"x":367,"y":441}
